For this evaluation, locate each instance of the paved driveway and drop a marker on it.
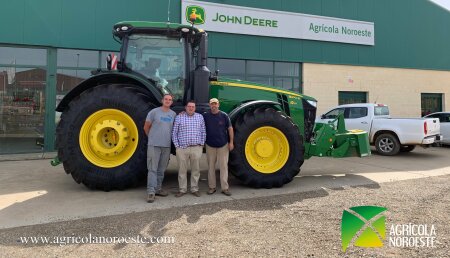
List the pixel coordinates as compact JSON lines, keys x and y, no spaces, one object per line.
{"x":33,"y":192}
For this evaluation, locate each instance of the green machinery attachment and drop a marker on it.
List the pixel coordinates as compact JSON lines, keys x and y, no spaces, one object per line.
{"x":333,"y":140}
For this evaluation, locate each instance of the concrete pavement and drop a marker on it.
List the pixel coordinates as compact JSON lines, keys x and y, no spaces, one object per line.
{"x":33,"y":192}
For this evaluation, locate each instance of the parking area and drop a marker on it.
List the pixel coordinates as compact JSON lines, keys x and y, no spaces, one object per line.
{"x":33,"y":192}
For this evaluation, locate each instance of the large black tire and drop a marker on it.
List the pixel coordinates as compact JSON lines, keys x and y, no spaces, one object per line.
{"x":248,"y":123}
{"x":136,"y":104}
{"x":387,"y":144}
{"x":407,"y":148}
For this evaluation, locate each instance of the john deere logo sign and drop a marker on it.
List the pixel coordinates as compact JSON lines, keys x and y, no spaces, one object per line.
{"x":195,"y":14}
{"x":363,"y":226}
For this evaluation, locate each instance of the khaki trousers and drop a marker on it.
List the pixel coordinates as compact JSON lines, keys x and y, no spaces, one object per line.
{"x":221,"y":156}
{"x":193,"y":153}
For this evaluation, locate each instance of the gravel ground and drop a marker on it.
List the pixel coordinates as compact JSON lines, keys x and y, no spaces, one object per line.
{"x":301,"y":224}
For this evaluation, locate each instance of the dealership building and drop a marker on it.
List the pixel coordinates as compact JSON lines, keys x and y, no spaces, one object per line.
{"x":338,"y":51}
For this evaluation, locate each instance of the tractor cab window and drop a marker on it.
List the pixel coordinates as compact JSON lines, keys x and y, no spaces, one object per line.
{"x":160,"y":59}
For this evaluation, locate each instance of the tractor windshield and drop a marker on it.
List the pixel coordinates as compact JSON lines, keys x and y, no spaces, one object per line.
{"x":160,"y":59}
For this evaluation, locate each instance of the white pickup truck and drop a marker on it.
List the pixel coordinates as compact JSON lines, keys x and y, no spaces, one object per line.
{"x":389,"y":135}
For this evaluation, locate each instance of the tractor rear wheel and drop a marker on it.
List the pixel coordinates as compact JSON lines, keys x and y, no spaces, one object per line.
{"x":268,"y":149}
{"x":100,"y":137}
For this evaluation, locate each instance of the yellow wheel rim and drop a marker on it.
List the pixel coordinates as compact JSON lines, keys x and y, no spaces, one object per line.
{"x":108,"y":138}
{"x":267,"y":149}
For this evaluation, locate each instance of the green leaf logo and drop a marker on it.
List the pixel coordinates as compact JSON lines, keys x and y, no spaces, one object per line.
{"x":363,"y":226}
{"x":195,"y":14}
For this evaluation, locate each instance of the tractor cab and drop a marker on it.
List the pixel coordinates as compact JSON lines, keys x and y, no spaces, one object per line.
{"x":172,"y":57}
{"x":161,"y":60}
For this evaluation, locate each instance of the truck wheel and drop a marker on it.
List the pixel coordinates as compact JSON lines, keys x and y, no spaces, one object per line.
{"x":100,"y":137}
{"x":268,"y":149}
{"x":387,"y":144}
{"x":407,"y":148}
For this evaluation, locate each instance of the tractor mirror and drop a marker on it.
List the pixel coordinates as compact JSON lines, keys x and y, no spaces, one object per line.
{"x":215,"y":76}
{"x":108,"y":62}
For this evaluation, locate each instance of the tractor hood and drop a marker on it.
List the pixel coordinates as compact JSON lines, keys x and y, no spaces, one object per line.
{"x":263,"y":87}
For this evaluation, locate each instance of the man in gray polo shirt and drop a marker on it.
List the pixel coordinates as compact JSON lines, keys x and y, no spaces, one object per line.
{"x":158,"y":126}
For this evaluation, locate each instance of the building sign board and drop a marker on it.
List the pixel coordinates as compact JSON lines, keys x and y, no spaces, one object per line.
{"x":264,"y":22}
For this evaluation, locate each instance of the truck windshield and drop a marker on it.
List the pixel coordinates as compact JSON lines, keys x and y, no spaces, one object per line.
{"x":160,"y":59}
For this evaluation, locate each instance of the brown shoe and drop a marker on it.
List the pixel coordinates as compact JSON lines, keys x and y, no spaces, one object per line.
{"x":161,"y":193}
{"x":179,"y":194}
{"x":196,"y":194}
{"x":226,"y":192}
{"x":150,"y":198}
{"x":211,"y":191}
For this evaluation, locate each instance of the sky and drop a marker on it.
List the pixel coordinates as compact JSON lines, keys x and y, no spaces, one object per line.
{"x":444,"y":3}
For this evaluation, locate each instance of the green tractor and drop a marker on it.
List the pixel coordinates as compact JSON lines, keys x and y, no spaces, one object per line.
{"x":100,"y":137}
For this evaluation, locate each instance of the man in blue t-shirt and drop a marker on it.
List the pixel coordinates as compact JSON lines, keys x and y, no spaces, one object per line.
{"x":219,"y":142}
{"x":158,"y":127}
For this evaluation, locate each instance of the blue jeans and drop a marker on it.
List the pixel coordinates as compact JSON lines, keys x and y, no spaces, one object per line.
{"x":157,"y":161}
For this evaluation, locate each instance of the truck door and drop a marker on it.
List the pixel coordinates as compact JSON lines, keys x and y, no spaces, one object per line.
{"x":357,"y":118}
{"x":445,"y":127}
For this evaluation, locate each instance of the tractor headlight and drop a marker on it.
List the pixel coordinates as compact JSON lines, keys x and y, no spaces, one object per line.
{"x":312,"y":103}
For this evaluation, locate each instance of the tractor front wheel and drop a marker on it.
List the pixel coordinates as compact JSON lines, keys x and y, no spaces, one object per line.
{"x":268,"y":149}
{"x":100,"y":137}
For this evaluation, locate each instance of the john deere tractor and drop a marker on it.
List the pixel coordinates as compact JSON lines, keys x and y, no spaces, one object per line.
{"x":100,"y":137}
